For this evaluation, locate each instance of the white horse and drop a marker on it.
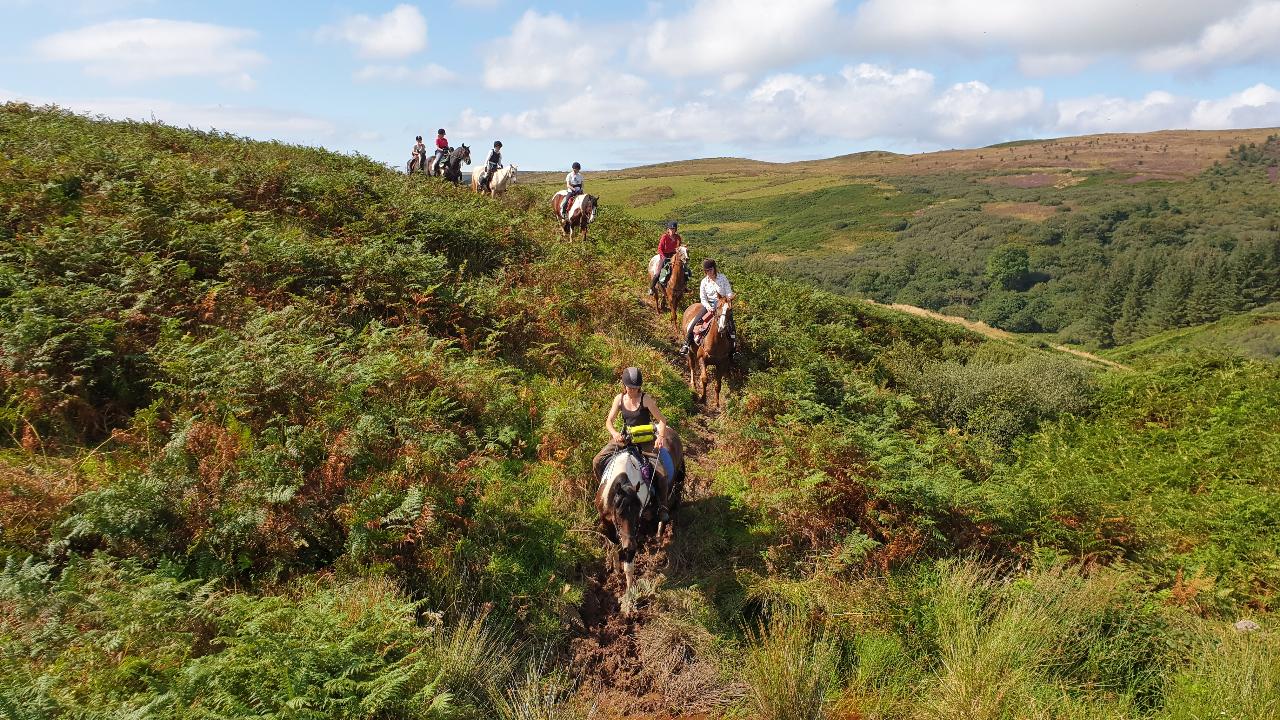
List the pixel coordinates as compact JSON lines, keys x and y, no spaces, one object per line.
{"x":497,"y":183}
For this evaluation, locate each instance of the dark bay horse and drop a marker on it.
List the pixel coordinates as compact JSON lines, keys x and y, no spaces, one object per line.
{"x":714,"y":350}
{"x":451,"y":168}
{"x":626,"y":506}
{"x":582,"y":212}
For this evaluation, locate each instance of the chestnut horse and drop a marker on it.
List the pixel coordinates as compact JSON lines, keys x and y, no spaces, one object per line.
{"x":626,"y":506}
{"x":715,"y":349}
{"x":672,"y":294}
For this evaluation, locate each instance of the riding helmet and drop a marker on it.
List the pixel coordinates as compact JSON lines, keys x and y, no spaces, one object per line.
{"x":440,"y":131}
{"x":671,"y":225}
{"x":419,"y":138}
{"x":576,"y":166}
{"x":632,"y":378}
{"x":708,"y":264}
{"x":497,"y":143}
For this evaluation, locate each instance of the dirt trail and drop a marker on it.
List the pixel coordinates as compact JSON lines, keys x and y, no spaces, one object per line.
{"x":630,"y":665}
{"x":994,"y":333}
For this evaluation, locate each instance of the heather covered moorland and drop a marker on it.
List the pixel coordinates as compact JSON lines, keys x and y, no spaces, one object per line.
{"x":286,"y":434}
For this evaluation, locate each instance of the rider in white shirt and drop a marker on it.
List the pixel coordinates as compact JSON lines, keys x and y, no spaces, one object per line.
{"x":573,"y":186}
{"x":713,"y":285}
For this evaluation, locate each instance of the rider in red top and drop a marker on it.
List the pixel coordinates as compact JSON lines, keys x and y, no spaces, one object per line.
{"x":666,"y":248}
{"x":442,"y":146}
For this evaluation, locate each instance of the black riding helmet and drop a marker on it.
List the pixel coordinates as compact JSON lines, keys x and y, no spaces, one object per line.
{"x":671,"y":225}
{"x":440,"y":131}
{"x":497,"y":143}
{"x":632,"y":378}
{"x":576,"y":166}
{"x":419,"y":138}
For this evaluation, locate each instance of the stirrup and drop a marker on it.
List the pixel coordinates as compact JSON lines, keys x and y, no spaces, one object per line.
{"x":685,"y":349}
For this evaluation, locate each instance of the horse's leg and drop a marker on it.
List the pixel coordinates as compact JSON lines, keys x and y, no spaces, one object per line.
{"x":719,"y":379}
{"x":693,"y":378}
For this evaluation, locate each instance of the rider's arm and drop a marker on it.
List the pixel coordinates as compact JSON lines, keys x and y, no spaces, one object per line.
{"x":725,"y":288}
{"x":613,"y":417}
{"x":660,"y":437}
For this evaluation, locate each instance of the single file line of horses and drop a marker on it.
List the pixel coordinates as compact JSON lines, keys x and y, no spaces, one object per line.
{"x":640,"y":473}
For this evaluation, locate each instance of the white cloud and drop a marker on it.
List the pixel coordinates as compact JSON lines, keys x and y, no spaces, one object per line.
{"x":861,"y":102}
{"x":1100,"y":114}
{"x":1257,"y":106}
{"x":543,"y":50}
{"x":1050,"y":37}
{"x":400,"y":32}
{"x":262,"y":123}
{"x":1248,"y":36}
{"x":1046,"y":64}
{"x":972,"y":110}
{"x":144,"y":49}
{"x":429,"y":74}
{"x":737,"y":36}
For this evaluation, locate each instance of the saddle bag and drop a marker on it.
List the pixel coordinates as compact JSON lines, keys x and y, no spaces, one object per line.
{"x":641,"y":434}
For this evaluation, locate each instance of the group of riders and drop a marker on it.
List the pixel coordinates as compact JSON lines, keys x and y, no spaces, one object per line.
{"x":434,"y":163}
{"x":645,"y":434}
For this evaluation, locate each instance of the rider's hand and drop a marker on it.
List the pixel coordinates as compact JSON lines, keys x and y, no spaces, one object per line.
{"x":660,"y":441}
{"x":617,"y":436}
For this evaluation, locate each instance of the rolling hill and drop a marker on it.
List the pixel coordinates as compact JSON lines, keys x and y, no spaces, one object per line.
{"x":1096,"y":240}
{"x":286,"y":434}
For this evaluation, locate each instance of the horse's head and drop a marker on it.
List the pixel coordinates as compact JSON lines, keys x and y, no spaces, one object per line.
{"x":589,"y":207}
{"x":723,"y":305}
{"x":625,"y":506}
{"x":464,"y":152}
{"x":683,"y":253}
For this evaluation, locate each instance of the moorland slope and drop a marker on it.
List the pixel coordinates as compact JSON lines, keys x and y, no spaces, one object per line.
{"x":286,"y":434}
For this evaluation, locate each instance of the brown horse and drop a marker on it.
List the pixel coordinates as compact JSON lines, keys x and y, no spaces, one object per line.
{"x":626,"y":509}
{"x":672,"y":294}
{"x":582,"y":212}
{"x":715,"y":349}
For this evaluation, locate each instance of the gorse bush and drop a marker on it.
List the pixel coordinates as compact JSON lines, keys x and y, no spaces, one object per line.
{"x":999,"y":398}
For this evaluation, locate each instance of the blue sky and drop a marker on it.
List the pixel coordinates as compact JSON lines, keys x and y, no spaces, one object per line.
{"x":616,"y":84}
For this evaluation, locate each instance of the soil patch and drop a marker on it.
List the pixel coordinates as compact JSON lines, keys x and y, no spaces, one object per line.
{"x":651,"y":195}
{"x":1035,"y":212}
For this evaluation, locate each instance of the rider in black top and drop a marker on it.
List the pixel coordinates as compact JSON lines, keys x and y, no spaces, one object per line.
{"x":638,"y":408}
{"x":493,"y":163}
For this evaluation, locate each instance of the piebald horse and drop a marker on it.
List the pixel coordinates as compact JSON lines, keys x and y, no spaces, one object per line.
{"x":497,"y":184}
{"x":671,"y":294}
{"x":628,"y":506}
{"x":582,"y":212}
{"x":715,"y":349}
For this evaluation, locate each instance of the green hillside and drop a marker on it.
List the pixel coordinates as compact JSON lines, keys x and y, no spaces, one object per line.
{"x":1255,"y":334}
{"x":1100,"y":243}
{"x":286,"y":434}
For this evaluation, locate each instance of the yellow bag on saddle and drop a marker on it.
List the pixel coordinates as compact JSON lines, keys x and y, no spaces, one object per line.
{"x":641,"y":434}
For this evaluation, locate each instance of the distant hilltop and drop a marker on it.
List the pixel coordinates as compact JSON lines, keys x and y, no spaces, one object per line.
{"x":1164,"y":154}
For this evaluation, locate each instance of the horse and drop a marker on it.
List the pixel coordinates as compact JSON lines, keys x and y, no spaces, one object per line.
{"x":497,"y":183}
{"x":715,"y":349}
{"x":415,"y":164}
{"x":452,"y":164}
{"x":627,"y":505}
{"x":582,"y":212}
{"x":671,"y":294}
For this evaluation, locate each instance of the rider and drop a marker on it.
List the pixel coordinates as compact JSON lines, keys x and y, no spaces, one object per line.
{"x":442,"y":147}
{"x":667,"y":247}
{"x":713,"y":284}
{"x":573,"y":183}
{"x":419,"y":154}
{"x":493,"y":163}
{"x":638,"y":408}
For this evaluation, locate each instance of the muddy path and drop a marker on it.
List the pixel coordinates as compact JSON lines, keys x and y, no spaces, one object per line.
{"x":629,"y":661}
